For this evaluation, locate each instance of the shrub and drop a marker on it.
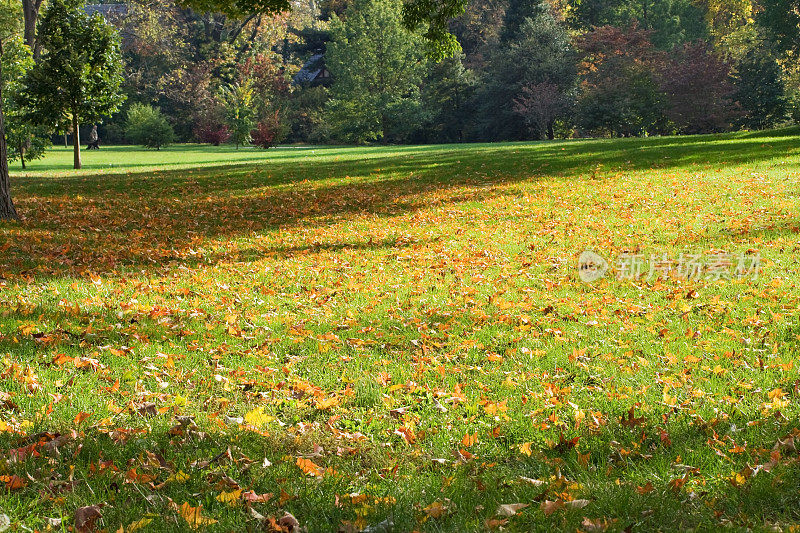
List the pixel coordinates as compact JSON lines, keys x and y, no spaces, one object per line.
{"x":212,"y":133}
{"x":267,"y":132}
{"x":147,"y":126}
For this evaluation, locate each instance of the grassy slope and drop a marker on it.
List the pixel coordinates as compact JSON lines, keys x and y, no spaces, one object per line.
{"x":367,"y":309}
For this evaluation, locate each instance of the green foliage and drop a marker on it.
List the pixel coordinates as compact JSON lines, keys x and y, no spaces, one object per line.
{"x":619,"y":92}
{"x":539,"y":52}
{"x":238,"y":8}
{"x":377,"y":66}
{"x":26,"y":141}
{"x":782,"y":19}
{"x":435,"y":16}
{"x":148,"y":127}
{"x":447,"y":100}
{"x":759,"y":89}
{"x":672,"y":22}
{"x":80,"y":71}
{"x":239,"y":114}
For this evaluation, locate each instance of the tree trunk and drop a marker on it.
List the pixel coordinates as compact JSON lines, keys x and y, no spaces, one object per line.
{"x":66,"y":141}
{"x":7,"y":210}
{"x":22,"y":156}
{"x":30,"y":11}
{"x":76,"y":142}
{"x":551,"y":134}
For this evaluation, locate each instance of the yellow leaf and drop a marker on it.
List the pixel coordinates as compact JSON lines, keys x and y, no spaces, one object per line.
{"x":525,"y":448}
{"x":231,"y":498}
{"x":179,"y":477}
{"x":258,"y":418}
{"x":194,"y":516}
{"x":327,"y":403}
{"x":139,"y":524}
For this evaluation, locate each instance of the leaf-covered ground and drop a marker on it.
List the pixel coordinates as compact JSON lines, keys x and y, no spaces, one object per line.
{"x":398,"y":338}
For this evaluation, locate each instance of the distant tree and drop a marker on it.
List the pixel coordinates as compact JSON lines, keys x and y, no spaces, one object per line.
{"x":79,"y":73}
{"x":213,"y":133}
{"x":697,"y":83}
{"x":148,"y":127}
{"x":782,"y":19}
{"x":239,"y":113}
{"x":377,"y":66}
{"x":671,"y":22}
{"x":759,"y":89}
{"x":268,"y":132}
{"x":447,"y":101}
{"x":478,"y":30}
{"x":26,"y":141}
{"x":540,"y":105}
{"x":432,"y":15}
{"x":539,"y":54}
{"x":619,"y":91}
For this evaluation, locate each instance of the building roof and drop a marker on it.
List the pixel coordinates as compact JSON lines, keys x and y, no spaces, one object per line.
{"x":311,"y":70}
{"x":107,"y":10}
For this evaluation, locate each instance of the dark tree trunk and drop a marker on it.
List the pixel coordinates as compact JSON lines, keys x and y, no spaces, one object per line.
{"x":76,"y":142}
{"x":30,"y":11}
{"x":7,"y":210}
{"x":551,"y":134}
{"x":22,"y":156}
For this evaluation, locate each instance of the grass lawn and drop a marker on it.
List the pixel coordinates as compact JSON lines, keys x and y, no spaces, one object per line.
{"x":201,"y":338}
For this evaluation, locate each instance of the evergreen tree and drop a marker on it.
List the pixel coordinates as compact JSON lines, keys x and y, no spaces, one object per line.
{"x":377,"y":67}
{"x":447,"y":101}
{"x":759,"y":89}
{"x":782,"y":19}
{"x":148,"y":127}
{"x":79,"y":73}
{"x":539,"y":53}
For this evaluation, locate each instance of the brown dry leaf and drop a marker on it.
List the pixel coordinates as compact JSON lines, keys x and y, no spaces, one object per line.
{"x":13,"y":482}
{"x":510,"y":509}
{"x":289,"y":523}
{"x":576,"y":504}
{"x":493,"y":523}
{"x":596,"y":525}
{"x":86,"y":517}
{"x":437,"y":509}
{"x":549,"y":507}
{"x":252,"y":497}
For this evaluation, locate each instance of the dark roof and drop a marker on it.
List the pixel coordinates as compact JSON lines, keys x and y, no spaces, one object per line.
{"x":311,"y":70}
{"x":107,"y":10}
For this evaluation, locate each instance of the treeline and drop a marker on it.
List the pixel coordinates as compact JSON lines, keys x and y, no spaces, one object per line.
{"x":347,"y":71}
{"x":545,"y":69}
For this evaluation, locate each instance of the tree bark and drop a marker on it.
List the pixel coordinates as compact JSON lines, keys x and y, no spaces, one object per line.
{"x":30,"y":11}
{"x":76,"y":142}
{"x":7,"y":209}
{"x":22,"y":156}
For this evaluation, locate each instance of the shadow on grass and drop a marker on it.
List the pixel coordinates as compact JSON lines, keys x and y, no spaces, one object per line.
{"x":141,"y":221}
